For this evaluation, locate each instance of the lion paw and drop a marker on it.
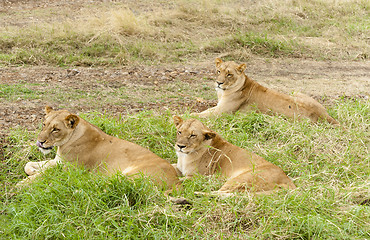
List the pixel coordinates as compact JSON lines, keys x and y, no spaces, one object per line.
{"x":26,"y":180}
{"x":32,"y":168}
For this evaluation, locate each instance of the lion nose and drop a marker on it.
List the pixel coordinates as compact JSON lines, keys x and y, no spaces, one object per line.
{"x":219,"y":83}
{"x":180,"y":146}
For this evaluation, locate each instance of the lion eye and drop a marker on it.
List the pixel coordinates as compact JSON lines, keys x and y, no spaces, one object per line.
{"x":55,"y":130}
{"x":179,"y":133}
{"x":218,"y":72}
{"x":193,"y":136}
{"x":229,"y":75}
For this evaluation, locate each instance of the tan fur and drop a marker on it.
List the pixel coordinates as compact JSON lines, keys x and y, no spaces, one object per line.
{"x":202,"y":151}
{"x":237,"y":92}
{"x":79,"y":141}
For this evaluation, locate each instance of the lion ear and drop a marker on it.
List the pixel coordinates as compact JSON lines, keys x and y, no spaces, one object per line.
{"x":209,"y":135}
{"x":218,"y":62}
{"x":241,"y":68}
{"x":177,"y":120}
{"x":71,"y":121}
{"x":48,"y":109}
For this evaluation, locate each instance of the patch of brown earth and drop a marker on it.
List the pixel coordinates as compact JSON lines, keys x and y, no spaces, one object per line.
{"x":325,"y":81}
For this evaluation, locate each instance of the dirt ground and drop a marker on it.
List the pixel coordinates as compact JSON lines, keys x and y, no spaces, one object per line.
{"x":330,"y":80}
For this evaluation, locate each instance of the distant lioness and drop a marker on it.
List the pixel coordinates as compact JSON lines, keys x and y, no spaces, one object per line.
{"x":85,"y":144}
{"x":203,"y":151}
{"x":235,"y":91}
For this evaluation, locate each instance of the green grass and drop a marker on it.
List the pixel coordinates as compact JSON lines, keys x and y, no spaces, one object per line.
{"x":329,"y":165}
{"x":80,"y":94}
{"x":12,"y":92}
{"x":257,"y":44}
{"x":32,"y":91}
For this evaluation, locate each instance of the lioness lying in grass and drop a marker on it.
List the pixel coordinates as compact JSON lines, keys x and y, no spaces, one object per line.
{"x":79,"y":141}
{"x":203,"y":151}
{"x":237,"y":92}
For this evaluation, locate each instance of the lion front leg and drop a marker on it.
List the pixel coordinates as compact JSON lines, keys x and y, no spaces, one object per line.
{"x":33,"y":168}
{"x":214,"y":111}
{"x":223,"y":106}
{"x":178,"y":172}
{"x":27,"y":180}
{"x":206,"y":113}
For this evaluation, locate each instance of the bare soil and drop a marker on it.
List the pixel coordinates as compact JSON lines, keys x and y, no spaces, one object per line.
{"x":325,"y":81}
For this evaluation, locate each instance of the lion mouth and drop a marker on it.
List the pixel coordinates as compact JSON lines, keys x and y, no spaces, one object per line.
{"x":182,"y":151}
{"x":179,"y":150}
{"x":39,"y":144}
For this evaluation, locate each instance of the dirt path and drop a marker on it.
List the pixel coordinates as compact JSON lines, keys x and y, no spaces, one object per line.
{"x":317,"y":79}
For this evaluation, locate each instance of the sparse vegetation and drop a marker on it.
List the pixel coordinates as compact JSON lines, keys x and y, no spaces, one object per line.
{"x":177,"y":31}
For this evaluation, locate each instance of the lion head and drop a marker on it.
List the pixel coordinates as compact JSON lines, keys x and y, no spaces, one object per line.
{"x":229,"y":74}
{"x":57,"y":128}
{"x":192,"y":135}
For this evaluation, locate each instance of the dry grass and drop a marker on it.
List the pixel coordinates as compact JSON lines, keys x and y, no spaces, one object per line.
{"x":191,"y":30}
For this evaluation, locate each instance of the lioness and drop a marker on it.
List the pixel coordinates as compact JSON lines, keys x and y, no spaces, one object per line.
{"x":235,"y":91}
{"x":83,"y":143}
{"x":203,"y":151}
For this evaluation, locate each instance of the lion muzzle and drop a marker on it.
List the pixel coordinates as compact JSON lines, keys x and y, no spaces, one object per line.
{"x":44,"y":150}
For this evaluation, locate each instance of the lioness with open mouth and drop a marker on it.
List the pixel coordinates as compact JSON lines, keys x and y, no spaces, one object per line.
{"x":79,"y":141}
{"x":203,"y":151}
{"x":236,"y":91}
